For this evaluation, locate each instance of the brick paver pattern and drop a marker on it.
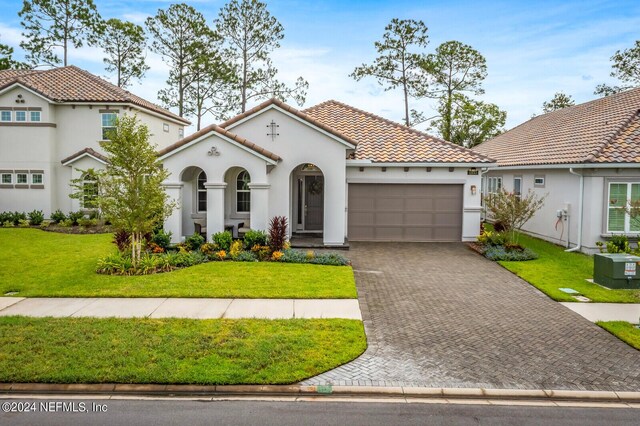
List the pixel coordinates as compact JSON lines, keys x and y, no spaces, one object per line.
{"x":440,"y":315}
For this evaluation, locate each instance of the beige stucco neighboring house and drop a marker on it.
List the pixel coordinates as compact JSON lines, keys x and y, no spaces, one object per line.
{"x":586,"y":158}
{"x":333,"y":170}
{"x":51,"y":123}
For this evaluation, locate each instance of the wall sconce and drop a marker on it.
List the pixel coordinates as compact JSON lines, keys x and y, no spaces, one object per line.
{"x":473,"y":190}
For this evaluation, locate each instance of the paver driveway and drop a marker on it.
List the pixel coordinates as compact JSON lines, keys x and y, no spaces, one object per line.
{"x":440,"y":315}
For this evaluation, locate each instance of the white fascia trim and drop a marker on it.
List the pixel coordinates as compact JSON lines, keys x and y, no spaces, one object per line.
{"x":369,"y":163}
{"x":573,"y":166}
{"x":417,"y":181}
{"x":214,"y":133}
{"x":86,"y":154}
{"x":40,"y":95}
{"x":295,"y":117}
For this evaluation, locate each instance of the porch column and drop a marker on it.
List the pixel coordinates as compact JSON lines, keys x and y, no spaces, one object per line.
{"x":259,"y":214}
{"x":215,"y":208}
{"x":173,"y":223}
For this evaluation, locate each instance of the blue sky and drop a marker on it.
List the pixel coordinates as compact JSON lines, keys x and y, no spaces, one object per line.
{"x":533,"y":48}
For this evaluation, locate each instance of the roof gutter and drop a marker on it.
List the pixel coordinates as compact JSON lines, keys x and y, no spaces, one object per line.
{"x":580,"y":212}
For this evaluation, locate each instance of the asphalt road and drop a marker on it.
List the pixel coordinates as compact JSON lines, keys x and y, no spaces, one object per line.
{"x":187,"y":412}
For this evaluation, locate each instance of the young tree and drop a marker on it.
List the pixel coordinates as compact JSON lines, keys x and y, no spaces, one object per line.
{"x":455,"y":68}
{"x":472,"y":122}
{"x":398,"y":63}
{"x":6,"y":59}
{"x":559,"y":101}
{"x":58,"y":24}
{"x":251,"y":34}
{"x":130,"y":192}
{"x":124,"y":44}
{"x":179,"y":34}
{"x":513,"y":210}
{"x":626,"y":68}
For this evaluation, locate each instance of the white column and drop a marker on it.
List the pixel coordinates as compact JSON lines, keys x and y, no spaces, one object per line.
{"x":259,"y":206}
{"x":215,"y":207}
{"x":173,"y":223}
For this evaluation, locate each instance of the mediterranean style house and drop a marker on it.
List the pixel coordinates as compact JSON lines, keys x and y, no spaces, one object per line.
{"x":51,"y":123}
{"x":332,"y":170}
{"x":586,"y":158}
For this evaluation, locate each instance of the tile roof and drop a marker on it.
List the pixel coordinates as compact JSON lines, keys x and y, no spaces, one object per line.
{"x":80,"y":153}
{"x":221,"y":131}
{"x":384,"y":141}
{"x":72,"y":84}
{"x":604,"y":130}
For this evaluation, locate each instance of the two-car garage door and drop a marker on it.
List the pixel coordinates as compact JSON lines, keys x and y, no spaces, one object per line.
{"x":405,"y":212}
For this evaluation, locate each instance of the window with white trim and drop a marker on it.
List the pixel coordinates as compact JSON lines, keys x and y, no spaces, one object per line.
{"x":621,"y":196}
{"x":201,"y":196}
{"x":7,"y":178}
{"x":21,"y":178}
{"x":21,"y":115}
{"x":108,"y":124}
{"x":494,"y":185}
{"x":243,"y":193}
{"x":517,"y":186}
{"x":165,"y":127}
{"x":36,"y":179}
{"x":34,"y":116}
{"x":538,"y":181}
{"x":181,"y":132}
{"x":5,"y":115}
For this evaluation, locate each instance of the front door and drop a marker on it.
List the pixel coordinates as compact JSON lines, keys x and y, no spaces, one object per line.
{"x":314,"y":203}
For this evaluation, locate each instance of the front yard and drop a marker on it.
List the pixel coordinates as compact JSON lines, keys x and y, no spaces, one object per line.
{"x":46,"y":264}
{"x":624,"y":331}
{"x":555,"y":269}
{"x":86,"y":350}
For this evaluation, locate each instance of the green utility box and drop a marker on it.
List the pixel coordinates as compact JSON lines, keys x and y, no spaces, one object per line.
{"x":616,"y":270}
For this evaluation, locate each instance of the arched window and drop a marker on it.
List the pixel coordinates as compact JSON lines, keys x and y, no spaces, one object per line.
{"x":243,"y":193}
{"x":89,"y":191}
{"x":201,"y":195}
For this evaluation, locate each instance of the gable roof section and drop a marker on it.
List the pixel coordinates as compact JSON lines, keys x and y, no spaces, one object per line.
{"x":224,"y":132}
{"x":298,"y":114}
{"x":72,"y":84}
{"x":384,"y":141}
{"x":605,"y":130}
{"x":87,"y":152}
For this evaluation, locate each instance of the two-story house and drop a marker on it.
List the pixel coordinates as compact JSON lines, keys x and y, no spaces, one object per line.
{"x":51,"y":125}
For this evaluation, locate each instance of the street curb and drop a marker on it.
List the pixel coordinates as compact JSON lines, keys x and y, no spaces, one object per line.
{"x":326,"y":390}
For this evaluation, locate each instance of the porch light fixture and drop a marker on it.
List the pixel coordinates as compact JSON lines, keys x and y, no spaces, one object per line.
{"x":361,"y":169}
{"x":273,"y":130}
{"x":428,"y":169}
{"x":450,"y":169}
{"x":474,"y":189}
{"x":384,"y":169}
{"x":406,"y":169}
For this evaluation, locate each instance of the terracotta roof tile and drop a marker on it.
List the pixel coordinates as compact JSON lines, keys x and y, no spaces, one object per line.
{"x":602,"y":131}
{"x":384,"y":141}
{"x":89,"y":151}
{"x":224,"y":132}
{"x":72,"y":84}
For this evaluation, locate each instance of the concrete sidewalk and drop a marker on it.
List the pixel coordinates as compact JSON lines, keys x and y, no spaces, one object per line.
{"x":629,"y":312}
{"x":180,"y":308}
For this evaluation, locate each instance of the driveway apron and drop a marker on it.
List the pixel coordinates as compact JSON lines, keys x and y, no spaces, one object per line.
{"x":440,"y":315}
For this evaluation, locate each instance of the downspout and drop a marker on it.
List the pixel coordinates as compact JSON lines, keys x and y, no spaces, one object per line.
{"x":483,"y":190}
{"x":580,"y":210}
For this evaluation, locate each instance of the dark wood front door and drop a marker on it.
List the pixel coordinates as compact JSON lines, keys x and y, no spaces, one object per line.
{"x":314,"y":203}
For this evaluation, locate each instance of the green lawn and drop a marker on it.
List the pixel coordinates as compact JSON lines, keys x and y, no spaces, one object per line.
{"x":85,"y":350}
{"x":556,"y":269}
{"x":35,"y":263}
{"x":624,"y":331}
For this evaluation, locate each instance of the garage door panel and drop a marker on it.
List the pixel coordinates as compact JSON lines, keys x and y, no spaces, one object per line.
{"x":405,"y":212}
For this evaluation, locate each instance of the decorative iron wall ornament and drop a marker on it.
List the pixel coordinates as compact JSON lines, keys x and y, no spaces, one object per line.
{"x":273,"y":130}
{"x":213,"y":152}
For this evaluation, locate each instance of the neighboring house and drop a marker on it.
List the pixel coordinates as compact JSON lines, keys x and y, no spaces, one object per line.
{"x":330,"y":169}
{"x":586,"y":158}
{"x":51,"y":123}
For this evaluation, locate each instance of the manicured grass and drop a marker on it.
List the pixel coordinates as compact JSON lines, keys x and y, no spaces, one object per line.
{"x":624,"y":331}
{"x":85,"y":350}
{"x":35,"y":263}
{"x":556,"y":269}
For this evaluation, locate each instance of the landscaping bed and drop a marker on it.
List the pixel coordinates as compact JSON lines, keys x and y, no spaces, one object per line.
{"x":46,"y":264}
{"x":175,"y":351}
{"x":624,"y":331}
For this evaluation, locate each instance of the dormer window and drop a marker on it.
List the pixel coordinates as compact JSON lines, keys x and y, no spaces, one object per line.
{"x":108,"y":124}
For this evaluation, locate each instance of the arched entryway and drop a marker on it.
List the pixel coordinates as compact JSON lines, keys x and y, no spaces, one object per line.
{"x":307,"y":200}
{"x":194,"y":200}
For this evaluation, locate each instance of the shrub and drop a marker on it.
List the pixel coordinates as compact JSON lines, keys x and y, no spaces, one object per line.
{"x":18,"y":216}
{"x":148,"y":265}
{"x":58,"y":216}
{"x":492,"y":238}
{"x":86,"y":222}
{"x":122,"y":240}
{"x":23,"y":223}
{"x":500,"y":226}
{"x":45,"y":224}
{"x":8,"y":224}
{"x":501,"y":253}
{"x":5,"y":216}
{"x":618,"y":244}
{"x":246,"y":256}
{"x":335,"y":259}
{"x":294,"y":256}
{"x":221,"y":255}
{"x":236,"y":249}
{"x":310,"y":255}
{"x":277,"y":233}
{"x":180,"y":260}
{"x":74,"y":217}
{"x":208,"y":249}
{"x":223,"y":240}
{"x":162,"y":239}
{"x":263,"y":252}
{"x":194,"y":241}
{"x":36,"y":217}
{"x":254,"y":238}
{"x":154,"y":248}
{"x":276,"y":256}
{"x":67,"y":223}
{"x":115,"y":264}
